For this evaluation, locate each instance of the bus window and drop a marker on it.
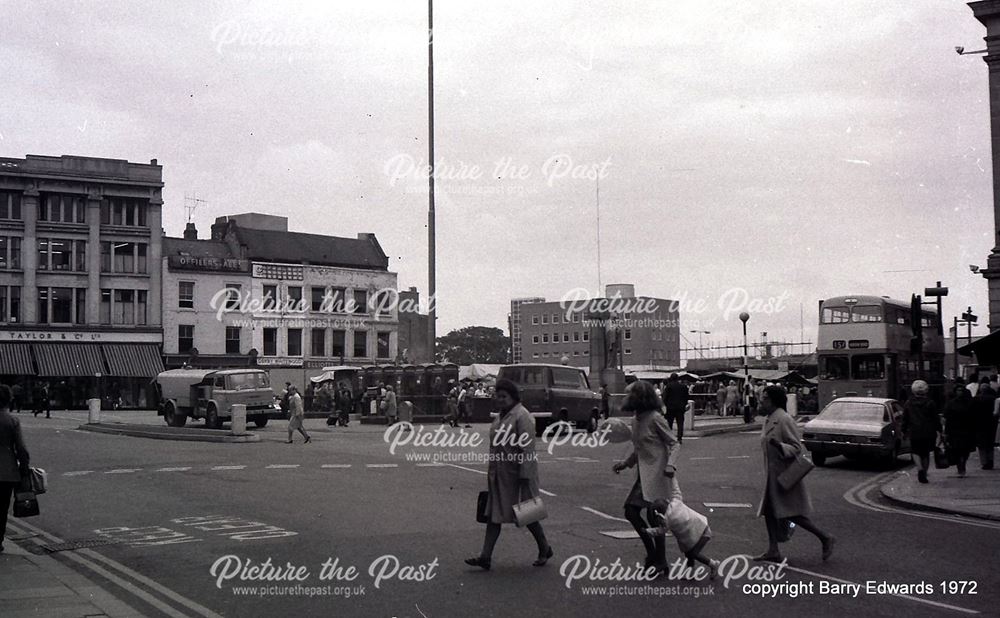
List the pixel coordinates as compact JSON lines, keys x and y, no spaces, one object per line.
{"x":836,"y":315}
{"x":833,"y":368}
{"x":868,"y":367}
{"x":867,"y":313}
{"x":899,"y":316}
{"x":928,"y":321}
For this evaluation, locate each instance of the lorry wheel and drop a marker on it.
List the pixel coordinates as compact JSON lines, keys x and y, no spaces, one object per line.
{"x":212,"y":420}
{"x":173,"y":418}
{"x":260,"y":422}
{"x":593,"y":422}
{"x":819,"y":459}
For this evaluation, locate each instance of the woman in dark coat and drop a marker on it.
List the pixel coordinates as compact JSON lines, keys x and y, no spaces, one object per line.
{"x":983,"y":407}
{"x":14,"y":458}
{"x":654,"y":451}
{"x":922,"y":423}
{"x":959,"y":426}
{"x":512,"y":476}
{"x":781,"y":443}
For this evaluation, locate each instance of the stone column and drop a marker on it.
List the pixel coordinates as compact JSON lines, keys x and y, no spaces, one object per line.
{"x":154,"y":263}
{"x":988,"y":12}
{"x":94,"y":259}
{"x":29,"y":257}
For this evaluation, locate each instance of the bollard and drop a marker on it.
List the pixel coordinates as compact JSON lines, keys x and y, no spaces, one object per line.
{"x":689,"y":416}
{"x":406,"y":412}
{"x":372,"y":408}
{"x":793,"y":405}
{"x":93,"y":411}
{"x":238,"y":420}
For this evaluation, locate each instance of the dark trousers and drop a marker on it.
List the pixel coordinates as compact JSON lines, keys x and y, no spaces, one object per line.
{"x":676,"y":415}
{"x":656,"y":547}
{"x":6,"y":492}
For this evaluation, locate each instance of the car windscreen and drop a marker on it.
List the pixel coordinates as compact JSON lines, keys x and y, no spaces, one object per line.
{"x":246,"y":381}
{"x":854,"y":412}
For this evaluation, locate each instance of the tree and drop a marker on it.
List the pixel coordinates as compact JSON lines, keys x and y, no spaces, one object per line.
{"x":474,"y":344}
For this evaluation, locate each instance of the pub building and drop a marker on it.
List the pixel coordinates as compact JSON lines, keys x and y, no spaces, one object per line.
{"x":280,"y":299}
{"x":79,"y":290}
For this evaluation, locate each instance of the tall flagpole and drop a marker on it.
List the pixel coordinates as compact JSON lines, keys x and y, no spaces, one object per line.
{"x":600,"y":289}
{"x":431,"y":249}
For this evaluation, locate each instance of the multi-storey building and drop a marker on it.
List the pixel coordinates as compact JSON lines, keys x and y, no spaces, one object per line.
{"x":80,"y":242}
{"x":514,"y":323}
{"x":293,"y":302}
{"x":645,"y":333}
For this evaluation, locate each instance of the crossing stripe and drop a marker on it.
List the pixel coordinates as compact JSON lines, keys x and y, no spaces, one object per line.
{"x":430,"y":465}
{"x":78,"y":473}
{"x":336,"y":466}
{"x":181,"y":469}
{"x":381,"y":465}
{"x":604,"y":515}
{"x":282,"y":466}
{"x":228,"y":467}
{"x":123,"y":471}
{"x":547,"y":493}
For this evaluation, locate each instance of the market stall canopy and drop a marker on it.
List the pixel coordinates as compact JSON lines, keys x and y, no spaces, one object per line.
{"x":478,"y":371}
{"x":767,"y":375}
{"x":660,"y":375}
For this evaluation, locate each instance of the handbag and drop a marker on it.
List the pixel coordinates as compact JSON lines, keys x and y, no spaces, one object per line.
{"x":940,"y":457}
{"x":785,"y":530}
{"x":793,"y":474}
{"x":529,"y":511}
{"x":39,"y":480}
{"x":481,"y":515}
{"x":25,"y":504}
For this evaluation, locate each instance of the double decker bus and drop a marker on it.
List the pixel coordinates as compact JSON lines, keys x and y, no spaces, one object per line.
{"x":864,"y":349}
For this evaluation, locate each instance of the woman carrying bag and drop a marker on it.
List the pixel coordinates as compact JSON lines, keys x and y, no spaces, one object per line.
{"x":512,"y":477}
{"x":783,"y":499}
{"x":14,"y":457}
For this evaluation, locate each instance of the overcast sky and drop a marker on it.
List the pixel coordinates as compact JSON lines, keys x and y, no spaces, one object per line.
{"x":797,"y":150}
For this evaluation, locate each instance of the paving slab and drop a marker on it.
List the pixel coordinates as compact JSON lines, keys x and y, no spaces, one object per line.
{"x":975,"y":495}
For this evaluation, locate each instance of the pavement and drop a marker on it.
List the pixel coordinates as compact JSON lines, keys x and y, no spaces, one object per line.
{"x":29,"y":582}
{"x":975,"y":495}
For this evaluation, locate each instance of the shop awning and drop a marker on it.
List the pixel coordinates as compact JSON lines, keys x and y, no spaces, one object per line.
{"x":986,"y":349}
{"x":15,"y":359}
{"x":133,"y":360}
{"x":68,"y":360}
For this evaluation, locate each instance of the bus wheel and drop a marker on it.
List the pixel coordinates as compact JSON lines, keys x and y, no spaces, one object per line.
{"x":260,"y":422}
{"x":212,"y":420}
{"x":173,"y":418}
{"x":819,"y":459}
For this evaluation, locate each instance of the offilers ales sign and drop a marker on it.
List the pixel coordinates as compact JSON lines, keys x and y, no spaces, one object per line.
{"x":210,"y":264}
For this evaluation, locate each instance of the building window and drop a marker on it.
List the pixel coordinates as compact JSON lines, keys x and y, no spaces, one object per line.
{"x":123,"y":257}
{"x":565,"y":337}
{"x":576,"y":335}
{"x":123,"y":307}
{"x":79,"y":256}
{"x":534,"y":339}
{"x":576,"y":317}
{"x":10,"y":304}
{"x":10,"y":205}
{"x":295,"y":298}
{"x":61,"y":254}
{"x":360,"y":301}
{"x":140,"y":258}
{"x":80,"y":305}
{"x":232,"y":340}
{"x":318,"y":339}
{"x":270,"y":300}
{"x":545,"y":337}
{"x":545,"y":318}
{"x":382,"y":303}
{"x":185,"y":338}
{"x":317,"y":295}
{"x":295,"y":342}
{"x":59,"y":208}
{"x":233,"y":296}
{"x":628,"y":334}
{"x":270,"y":342}
{"x":185,"y":294}
{"x":534,"y":319}
{"x":140,"y":307}
{"x":129,"y":211}
{"x":105,"y":257}
{"x":628,"y":350}
{"x":105,"y":306}
{"x":555,"y":318}
{"x":360,"y":344}
{"x":43,"y":254}
{"x":10,"y":252}
{"x":382,"y":348}
{"x":586,"y":335}
{"x":337,"y":343}
{"x":534,"y":355}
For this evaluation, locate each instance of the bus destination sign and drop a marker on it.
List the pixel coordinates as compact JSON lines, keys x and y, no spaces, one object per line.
{"x":858,"y":344}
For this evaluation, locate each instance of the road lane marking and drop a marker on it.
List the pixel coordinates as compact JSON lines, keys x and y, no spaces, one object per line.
{"x":78,"y":473}
{"x":728,"y":505}
{"x":700,"y":458}
{"x":381,"y":465}
{"x":123,"y":471}
{"x":604,"y":515}
{"x":547,"y":493}
{"x":229,"y":467}
{"x":894,"y":594}
{"x":738,"y":457}
{"x":466,"y":469}
{"x":282,"y":466}
{"x":181,"y":469}
{"x":336,"y":465}
{"x":430,"y":465}
{"x":77,"y":556}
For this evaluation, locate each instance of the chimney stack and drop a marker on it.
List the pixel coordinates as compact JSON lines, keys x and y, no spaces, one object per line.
{"x":190,"y":232}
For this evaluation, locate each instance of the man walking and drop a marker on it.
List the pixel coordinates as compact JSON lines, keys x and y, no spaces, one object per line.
{"x":675,"y":398}
{"x":344,"y":401}
{"x":297,"y":414}
{"x":389,"y":406}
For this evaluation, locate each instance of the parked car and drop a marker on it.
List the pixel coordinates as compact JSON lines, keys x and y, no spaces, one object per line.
{"x":857,"y":427}
{"x":555,"y":393}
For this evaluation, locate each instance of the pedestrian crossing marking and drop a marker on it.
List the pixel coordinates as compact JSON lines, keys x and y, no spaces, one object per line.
{"x":701,"y":458}
{"x":229,"y":467}
{"x":620,"y":534}
{"x":381,"y":465}
{"x":78,"y":473}
{"x":123,"y":471}
{"x":727,"y":505}
{"x":604,"y":515}
{"x":336,"y":466}
{"x":282,"y":466}
{"x":181,"y":469}
{"x":738,"y":457}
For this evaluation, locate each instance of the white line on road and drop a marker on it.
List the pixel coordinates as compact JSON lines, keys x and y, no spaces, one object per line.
{"x":181,"y":469}
{"x":547,"y":493}
{"x":738,"y":457}
{"x":700,"y":458}
{"x":430,"y":465}
{"x":604,"y":515}
{"x":336,"y":465}
{"x":78,"y":473}
{"x":229,"y":467}
{"x":466,"y":469}
{"x":281,"y":466}
{"x":381,"y":465}
{"x":727,"y":505}
{"x":123,"y":471}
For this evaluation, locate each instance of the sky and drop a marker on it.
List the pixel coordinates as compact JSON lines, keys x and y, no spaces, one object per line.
{"x":749,"y":155}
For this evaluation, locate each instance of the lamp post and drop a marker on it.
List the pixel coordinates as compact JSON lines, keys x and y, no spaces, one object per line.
{"x":744,"y":317}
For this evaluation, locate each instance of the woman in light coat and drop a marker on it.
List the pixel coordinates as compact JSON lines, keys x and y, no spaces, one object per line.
{"x":654,"y":451}
{"x":512,"y":476}
{"x":780,"y":441}
{"x":297,"y":414}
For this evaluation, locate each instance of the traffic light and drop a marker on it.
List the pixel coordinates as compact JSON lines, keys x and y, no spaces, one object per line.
{"x":916,"y":324}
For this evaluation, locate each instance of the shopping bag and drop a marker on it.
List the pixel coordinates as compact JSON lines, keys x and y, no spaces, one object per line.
{"x":39,"y":480}
{"x":481,"y":515}
{"x":25,"y":504}
{"x":529,"y":511}
{"x":940,"y":457}
{"x":794,"y":473}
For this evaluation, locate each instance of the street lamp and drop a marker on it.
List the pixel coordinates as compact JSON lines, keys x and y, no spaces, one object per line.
{"x":744,"y":317}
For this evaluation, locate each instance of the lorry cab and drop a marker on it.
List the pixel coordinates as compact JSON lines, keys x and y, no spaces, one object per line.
{"x":211,"y":393}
